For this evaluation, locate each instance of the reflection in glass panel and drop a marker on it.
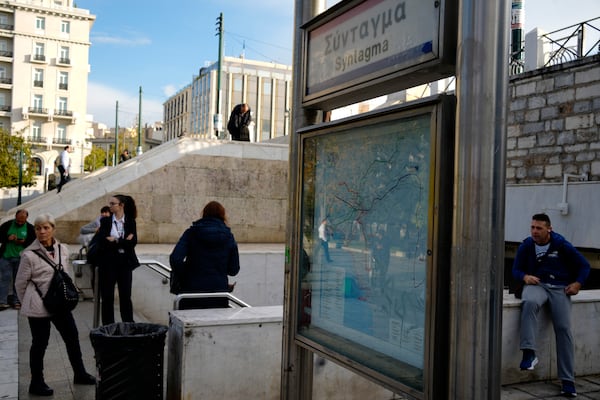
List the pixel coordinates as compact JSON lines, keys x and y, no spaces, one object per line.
{"x":364,"y":266}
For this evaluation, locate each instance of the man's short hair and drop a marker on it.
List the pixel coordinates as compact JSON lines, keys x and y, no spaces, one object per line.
{"x":105,"y":209}
{"x":542,"y":217}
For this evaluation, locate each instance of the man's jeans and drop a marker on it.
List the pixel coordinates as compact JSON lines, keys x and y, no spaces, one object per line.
{"x":8,"y":272}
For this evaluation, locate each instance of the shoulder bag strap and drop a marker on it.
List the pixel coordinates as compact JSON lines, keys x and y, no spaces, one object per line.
{"x":52,"y":264}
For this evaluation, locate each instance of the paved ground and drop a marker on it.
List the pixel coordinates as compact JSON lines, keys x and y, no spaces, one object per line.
{"x":14,"y":362}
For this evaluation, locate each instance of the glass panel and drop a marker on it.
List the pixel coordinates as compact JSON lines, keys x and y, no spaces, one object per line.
{"x":364,"y":268}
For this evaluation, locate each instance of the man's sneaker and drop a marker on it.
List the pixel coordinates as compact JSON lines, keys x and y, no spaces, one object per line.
{"x":529,"y":360}
{"x":568,"y":389}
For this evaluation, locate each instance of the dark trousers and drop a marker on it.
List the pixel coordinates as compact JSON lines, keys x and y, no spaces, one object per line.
{"x":110,"y":275}
{"x":40,"y":334}
{"x":63,"y":178}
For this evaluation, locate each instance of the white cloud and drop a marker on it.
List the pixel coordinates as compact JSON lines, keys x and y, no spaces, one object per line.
{"x":102,"y":106}
{"x":169,"y":90}
{"x":129,"y":39}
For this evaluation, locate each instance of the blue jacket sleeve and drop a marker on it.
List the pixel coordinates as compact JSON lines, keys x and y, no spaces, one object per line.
{"x":179,"y":253}
{"x":576,"y":261}
{"x":519,"y":269}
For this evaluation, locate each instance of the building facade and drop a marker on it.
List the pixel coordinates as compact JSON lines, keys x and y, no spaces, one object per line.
{"x":266,"y":87}
{"x":44,"y":67}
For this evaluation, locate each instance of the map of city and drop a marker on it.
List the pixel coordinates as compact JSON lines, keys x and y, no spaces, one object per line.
{"x":372,"y":186}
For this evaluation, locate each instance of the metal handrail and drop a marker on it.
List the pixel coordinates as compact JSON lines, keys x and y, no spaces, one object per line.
{"x":227,"y":295}
{"x":159,"y":268}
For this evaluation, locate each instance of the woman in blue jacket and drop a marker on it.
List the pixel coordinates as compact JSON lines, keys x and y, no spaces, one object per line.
{"x":204,"y":256}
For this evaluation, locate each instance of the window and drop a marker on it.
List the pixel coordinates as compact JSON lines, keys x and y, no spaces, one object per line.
{"x":2,"y":100}
{"x":38,"y":103}
{"x":36,"y":130}
{"x":63,"y":80}
{"x":39,"y":52}
{"x":65,"y":27}
{"x":64,"y":55}
{"x":38,"y":77}
{"x":62,"y":106}
{"x":2,"y":72}
{"x":61,"y":133}
{"x":4,"y":49}
{"x":40,"y":23}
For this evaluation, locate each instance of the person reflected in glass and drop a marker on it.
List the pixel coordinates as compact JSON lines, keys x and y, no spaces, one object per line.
{"x":324,"y":239}
{"x":35,"y":271}
{"x":381,"y":256}
{"x":204,"y":257}
{"x":117,"y":258}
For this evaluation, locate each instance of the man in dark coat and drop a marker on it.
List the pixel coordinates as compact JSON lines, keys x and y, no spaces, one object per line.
{"x":239,"y":120}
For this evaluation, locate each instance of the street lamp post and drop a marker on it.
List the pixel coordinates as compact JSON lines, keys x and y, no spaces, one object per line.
{"x":20,"y":175}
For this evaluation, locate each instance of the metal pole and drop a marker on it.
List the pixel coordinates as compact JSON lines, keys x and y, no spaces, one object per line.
{"x":20,"y":174}
{"x":219,"y":66}
{"x":478,"y":235}
{"x":116,"y":134}
{"x":296,"y":364}
{"x":139,"y":147}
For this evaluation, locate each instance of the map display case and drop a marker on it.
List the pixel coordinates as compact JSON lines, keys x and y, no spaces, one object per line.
{"x":375,"y":218}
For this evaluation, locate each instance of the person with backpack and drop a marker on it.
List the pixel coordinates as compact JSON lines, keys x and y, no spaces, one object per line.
{"x":553,"y":271}
{"x":34,"y":276}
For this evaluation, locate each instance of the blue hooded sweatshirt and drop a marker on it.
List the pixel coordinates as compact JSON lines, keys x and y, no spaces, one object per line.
{"x":562,"y":264}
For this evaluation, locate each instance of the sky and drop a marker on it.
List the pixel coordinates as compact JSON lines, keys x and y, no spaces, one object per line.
{"x":161,"y":45}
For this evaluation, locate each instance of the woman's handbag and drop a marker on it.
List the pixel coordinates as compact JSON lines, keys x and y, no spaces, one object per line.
{"x":62,"y":295}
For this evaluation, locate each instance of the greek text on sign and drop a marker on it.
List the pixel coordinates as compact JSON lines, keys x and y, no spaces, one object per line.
{"x":373,"y":36}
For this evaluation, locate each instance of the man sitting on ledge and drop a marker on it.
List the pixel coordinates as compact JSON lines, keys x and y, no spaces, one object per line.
{"x":553,"y":271}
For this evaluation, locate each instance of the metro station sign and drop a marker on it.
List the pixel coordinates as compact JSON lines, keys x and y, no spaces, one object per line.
{"x":361,"y":49}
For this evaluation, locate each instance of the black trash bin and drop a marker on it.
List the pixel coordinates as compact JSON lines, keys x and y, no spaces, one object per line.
{"x":129,"y":360}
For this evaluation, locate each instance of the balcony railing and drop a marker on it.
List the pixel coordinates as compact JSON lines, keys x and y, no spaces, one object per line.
{"x":63,"y":86}
{"x":64,"y":61}
{"x":7,"y":27}
{"x":38,"y":110}
{"x":568,"y":44}
{"x":5,"y":108}
{"x":38,"y":83}
{"x":6,"y":81}
{"x":39,"y":57}
{"x":63,"y":113}
{"x":36,"y":139}
{"x":6,"y":53}
{"x":60,"y":140}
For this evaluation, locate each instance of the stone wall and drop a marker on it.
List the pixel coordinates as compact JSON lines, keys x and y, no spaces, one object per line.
{"x":173,"y":182}
{"x":553,"y":123}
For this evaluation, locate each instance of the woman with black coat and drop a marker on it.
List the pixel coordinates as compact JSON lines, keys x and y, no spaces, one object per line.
{"x":117,"y":258}
{"x":204,"y":256}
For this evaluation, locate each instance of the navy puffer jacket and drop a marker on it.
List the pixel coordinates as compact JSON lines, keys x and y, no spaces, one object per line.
{"x":204,"y":256}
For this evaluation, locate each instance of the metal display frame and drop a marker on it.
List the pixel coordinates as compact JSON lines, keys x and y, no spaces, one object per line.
{"x":441,"y":110}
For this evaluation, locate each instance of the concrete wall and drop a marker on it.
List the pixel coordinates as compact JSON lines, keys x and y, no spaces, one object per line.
{"x":172,"y":183}
{"x":259,"y":282}
{"x":554,"y":130}
{"x":585,"y":325}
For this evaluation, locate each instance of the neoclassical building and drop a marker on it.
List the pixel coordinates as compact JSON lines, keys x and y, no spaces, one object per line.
{"x":265,"y":86}
{"x":44,"y":67}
